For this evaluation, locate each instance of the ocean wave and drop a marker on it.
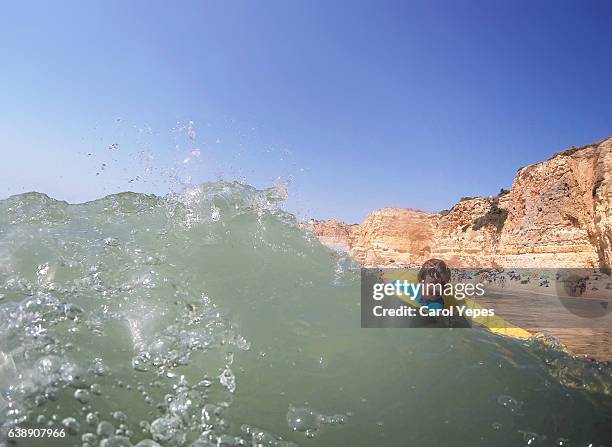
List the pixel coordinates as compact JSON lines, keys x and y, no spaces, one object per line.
{"x":209,"y":317}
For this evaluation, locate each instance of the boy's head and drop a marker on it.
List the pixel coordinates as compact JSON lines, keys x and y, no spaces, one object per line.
{"x":434,"y":271}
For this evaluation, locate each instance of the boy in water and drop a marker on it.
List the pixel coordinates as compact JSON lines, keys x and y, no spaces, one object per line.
{"x":433,"y":276}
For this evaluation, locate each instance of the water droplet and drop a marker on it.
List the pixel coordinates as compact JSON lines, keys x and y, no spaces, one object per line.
{"x":105,"y":429}
{"x":228,"y":380}
{"x":119,"y":416}
{"x":96,"y":389}
{"x":91,"y":419}
{"x":71,"y":425}
{"x":82,"y":396}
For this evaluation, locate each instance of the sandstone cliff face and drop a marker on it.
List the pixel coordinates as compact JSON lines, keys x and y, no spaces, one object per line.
{"x":333,"y":233}
{"x":557,"y":214}
{"x":381,"y":239}
{"x":559,"y":210}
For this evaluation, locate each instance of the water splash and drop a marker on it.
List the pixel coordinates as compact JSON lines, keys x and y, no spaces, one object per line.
{"x":196,"y":319}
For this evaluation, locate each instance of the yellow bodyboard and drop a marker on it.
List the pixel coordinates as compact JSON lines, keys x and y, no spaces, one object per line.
{"x":494,"y":324}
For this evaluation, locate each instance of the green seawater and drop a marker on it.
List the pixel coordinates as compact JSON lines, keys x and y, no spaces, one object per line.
{"x":210,"y":318}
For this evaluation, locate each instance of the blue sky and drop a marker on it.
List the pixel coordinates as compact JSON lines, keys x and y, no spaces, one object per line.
{"x":359,"y":105}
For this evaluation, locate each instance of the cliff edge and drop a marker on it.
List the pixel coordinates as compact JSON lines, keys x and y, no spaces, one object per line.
{"x":558,"y":213}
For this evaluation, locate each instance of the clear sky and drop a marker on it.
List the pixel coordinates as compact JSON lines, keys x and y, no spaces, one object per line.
{"x":359,"y":105}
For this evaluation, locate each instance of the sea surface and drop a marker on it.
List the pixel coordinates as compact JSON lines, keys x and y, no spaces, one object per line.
{"x":210,"y":318}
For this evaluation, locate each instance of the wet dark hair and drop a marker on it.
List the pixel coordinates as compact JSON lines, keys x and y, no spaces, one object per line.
{"x":435,"y":269}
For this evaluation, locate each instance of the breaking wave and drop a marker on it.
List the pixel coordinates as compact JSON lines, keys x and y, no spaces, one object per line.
{"x":210,"y":318}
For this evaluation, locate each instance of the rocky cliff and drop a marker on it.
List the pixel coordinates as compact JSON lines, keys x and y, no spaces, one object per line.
{"x":333,"y":233}
{"x":557,"y":213}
